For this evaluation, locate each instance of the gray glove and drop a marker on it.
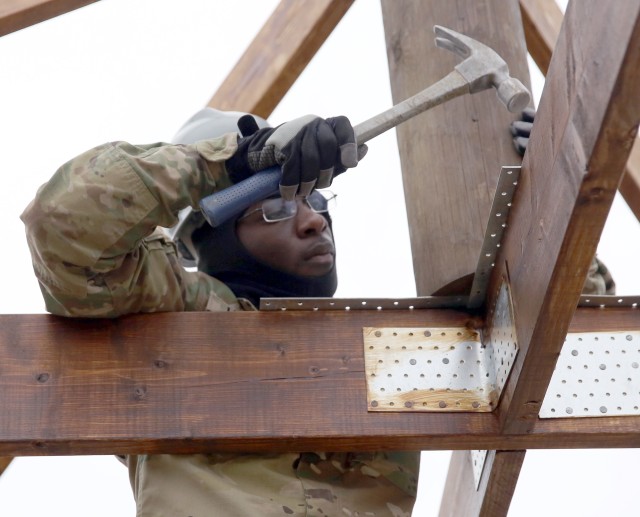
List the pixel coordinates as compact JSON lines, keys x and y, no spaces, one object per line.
{"x":521,"y":130}
{"x":310,"y":150}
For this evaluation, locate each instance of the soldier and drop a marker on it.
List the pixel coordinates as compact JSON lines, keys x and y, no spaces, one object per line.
{"x":97,"y":252}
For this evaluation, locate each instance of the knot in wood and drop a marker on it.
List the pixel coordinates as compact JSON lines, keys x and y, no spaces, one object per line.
{"x":139,"y":392}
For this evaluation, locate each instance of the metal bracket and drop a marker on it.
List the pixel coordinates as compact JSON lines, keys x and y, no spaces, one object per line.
{"x":597,"y":374}
{"x":478,"y":459}
{"x":440,"y":369}
{"x":502,"y":199}
{"x":349,"y":304}
{"x":608,"y":301}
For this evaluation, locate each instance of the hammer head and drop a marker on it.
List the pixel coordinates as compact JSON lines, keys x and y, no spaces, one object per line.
{"x":483,"y":68}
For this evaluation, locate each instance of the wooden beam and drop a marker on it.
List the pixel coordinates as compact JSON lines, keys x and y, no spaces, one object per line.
{"x":278,"y":54}
{"x":18,"y":14}
{"x":495,"y":491}
{"x":5,"y":461}
{"x":147,"y":381}
{"x":630,"y":184}
{"x":450,"y":178}
{"x":542,"y":20}
{"x":584,"y":130}
{"x":155,"y":383}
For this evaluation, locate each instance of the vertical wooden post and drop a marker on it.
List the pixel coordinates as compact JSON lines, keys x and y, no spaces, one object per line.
{"x":451,"y":157}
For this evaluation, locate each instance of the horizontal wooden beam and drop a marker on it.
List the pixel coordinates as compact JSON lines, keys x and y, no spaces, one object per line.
{"x":18,"y":14}
{"x":278,"y":54}
{"x":453,"y":432}
{"x":189,"y":382}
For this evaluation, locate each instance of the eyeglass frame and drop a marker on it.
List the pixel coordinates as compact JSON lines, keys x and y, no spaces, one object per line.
{"x":332,"y":197}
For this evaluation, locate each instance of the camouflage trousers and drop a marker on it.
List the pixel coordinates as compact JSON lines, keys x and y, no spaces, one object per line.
{"x":290,"y":484}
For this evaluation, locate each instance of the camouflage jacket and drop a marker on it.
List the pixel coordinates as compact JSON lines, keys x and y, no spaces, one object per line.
{"x":92,"y":229}
{"x":97,"y":252}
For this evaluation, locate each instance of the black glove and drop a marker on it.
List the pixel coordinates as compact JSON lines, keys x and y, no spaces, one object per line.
{"x":310,"y":150}
{"x":521,"y":130}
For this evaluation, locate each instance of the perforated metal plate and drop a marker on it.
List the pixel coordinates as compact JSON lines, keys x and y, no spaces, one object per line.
{"x":477,"y":465}
{"x":608,"y":301}
{"x":439,"y":369}
{"x":349,"y":304}
{"x":597,"y":374}
{"x":505,"y":190}
{"x":435,"y":369}
{"x":501,"y":341}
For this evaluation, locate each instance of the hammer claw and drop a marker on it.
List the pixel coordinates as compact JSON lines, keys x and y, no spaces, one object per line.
{"x":453,"y":41}
{"x":451,"y":47}
{"x":483,"y":68}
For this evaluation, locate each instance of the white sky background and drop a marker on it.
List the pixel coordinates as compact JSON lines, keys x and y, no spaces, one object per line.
{"x":136,"y":70}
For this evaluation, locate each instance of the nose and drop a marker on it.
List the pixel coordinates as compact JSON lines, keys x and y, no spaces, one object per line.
{"x":309,"y":222}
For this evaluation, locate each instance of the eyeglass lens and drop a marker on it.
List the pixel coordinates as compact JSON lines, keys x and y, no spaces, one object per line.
{"x":277,"y":209}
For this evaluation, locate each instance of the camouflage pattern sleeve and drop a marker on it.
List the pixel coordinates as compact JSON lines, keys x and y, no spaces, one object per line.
{"x":599,"y":280}
{"x":91,"y":228}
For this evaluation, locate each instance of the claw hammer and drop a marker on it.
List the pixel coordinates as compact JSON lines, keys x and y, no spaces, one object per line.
{"x":481,"y":69}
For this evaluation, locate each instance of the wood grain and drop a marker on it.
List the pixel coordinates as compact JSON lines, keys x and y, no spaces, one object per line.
{"x":18,"y":14}
{"x":278,"y":54}
{"x":630,"y":185}
{"x":584,"y":130}
{"x":5,"y":461}
{"x":452,"y":154}
{"x":189,"y":382}
{"x":542,"y":20}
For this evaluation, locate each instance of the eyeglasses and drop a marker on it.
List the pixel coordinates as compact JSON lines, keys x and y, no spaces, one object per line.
{"x":277,"y":209}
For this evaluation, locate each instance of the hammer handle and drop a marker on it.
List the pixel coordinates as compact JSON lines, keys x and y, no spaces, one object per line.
{"x":227,"y":203}
{"x":447,"y":88}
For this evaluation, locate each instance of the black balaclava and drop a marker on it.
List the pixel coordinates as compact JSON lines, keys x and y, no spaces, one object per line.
{"x":222,"y":255}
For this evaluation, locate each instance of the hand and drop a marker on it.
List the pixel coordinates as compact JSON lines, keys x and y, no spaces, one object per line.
{"x":521,"y":130}
{"x":310,"y":150}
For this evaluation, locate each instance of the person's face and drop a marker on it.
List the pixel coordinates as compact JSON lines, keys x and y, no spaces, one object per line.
{"x":302,"y":245}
